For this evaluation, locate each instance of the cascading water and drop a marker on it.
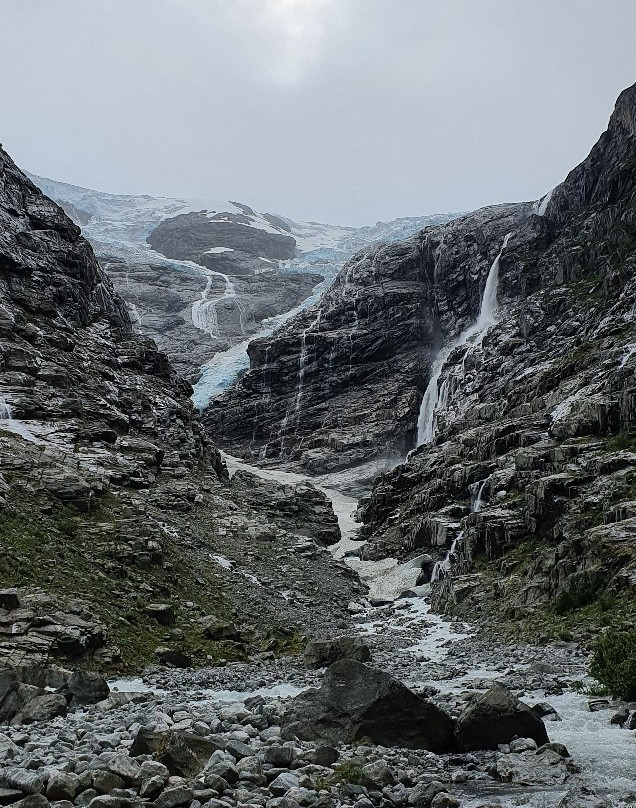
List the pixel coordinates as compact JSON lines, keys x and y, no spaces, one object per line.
{"x":541,"y":205}
{"x":426,"y":422}
{"x":135,"y":313}
{"x":6,"y":413}
{"x":204,"y":313}
{"x":478,"y":502}
{"x":302,"y":365}
{"x":442,"y":567}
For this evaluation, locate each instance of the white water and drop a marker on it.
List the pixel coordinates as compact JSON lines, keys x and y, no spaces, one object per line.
{"x":302,"y":367}
{"x":6,"y":413}
{"x":604,"y":750}
{"x":442,"y":567}
{"x":479,"y":499}
{"x":426,"y":422}
{"x":136,"y":314}
{"x":10,"y":424}
{"x":541,"y":205}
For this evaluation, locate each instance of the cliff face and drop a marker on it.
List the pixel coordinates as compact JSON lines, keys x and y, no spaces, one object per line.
{"x":341,"y":384}
{"x":532,"y":467}
{"x":112,"y":498}
{"x":525,"y":412}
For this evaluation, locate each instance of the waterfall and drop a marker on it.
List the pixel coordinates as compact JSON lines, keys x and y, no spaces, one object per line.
{"x":6,"y":413}
{"x":426,"y":422}
{"x":442,"y":567}
{"x":478,"y":502}
{"x":303,"y":360}
{"x":204,"y":313}
{"x":541,"y":205}
{"x":135,"y":313}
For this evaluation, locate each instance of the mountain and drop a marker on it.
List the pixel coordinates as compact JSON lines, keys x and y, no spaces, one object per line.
{"x":202,"y":277}
{"x":499,"y":350}
{"x":119,"y":524}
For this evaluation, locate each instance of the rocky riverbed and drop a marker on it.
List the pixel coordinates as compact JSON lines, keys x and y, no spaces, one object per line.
{"x":219,"y":736}
{"x":216,"y":736}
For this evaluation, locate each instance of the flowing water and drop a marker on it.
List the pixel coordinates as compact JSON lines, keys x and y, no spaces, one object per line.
{"x":430,"y":406}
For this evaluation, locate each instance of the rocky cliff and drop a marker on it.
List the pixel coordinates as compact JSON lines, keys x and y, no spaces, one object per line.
{"x":505,"y":344}
{"x":341,"y":384}
{"x":527,"y":477}
{"x":122,"y":539}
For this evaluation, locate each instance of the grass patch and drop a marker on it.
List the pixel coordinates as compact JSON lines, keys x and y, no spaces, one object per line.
{"x":625,"y":439}
{"x":78,"y":557}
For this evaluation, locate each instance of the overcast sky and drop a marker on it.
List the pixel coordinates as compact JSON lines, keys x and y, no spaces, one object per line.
{"x":345,"y":111}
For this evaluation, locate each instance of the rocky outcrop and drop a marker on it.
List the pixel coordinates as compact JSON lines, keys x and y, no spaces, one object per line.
{"x":341,"y":384}
{"x":160,"y":300}
{"x":356,"y":702}
{"x":528,"y":461}
{"x":190,"y":235}
{"x":111,"y":492}
{"x":531,"y":466}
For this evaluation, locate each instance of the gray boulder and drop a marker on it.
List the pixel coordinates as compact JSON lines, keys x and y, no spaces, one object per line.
{"x":323,"y":652}
{"x":87,"y":687}
{"x":356,"y":702}
{"x":496,"y":718}
{"x":182,"y":753}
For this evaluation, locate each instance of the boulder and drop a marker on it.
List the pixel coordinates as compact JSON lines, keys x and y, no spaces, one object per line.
{"x":323,"y":652}
{"x":9,"y":599}
{"x":171,"y":656}
{"x":163,"y":613}
{"x":496,"y":718}
{"x":182,"y":753}
{"x":356,"y":701}
{"x":216,"y":629}
{"x":87,"y":687}
{"x":24,"y":704}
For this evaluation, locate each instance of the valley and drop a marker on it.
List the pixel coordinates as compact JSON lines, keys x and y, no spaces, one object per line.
{"x":300,"y":515}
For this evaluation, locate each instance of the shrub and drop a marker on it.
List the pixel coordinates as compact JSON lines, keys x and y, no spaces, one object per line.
{"x":614,"y":663}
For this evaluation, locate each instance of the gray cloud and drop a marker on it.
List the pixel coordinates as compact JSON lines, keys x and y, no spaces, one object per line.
{"x":337,"y":110}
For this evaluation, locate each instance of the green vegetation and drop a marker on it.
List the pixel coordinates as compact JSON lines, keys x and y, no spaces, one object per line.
{"x":614,"y":662}
{"x":625,"y":439}
{"x":79,"y":557}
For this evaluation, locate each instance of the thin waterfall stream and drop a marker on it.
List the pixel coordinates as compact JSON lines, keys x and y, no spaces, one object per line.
{"x":426,"y":423}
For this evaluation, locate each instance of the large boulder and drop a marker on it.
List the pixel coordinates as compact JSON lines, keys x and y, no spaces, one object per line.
{"x":356,"y":702}
{"x":324,"y":652}
{"x":24,"y":704}
{"x":87,"y":687}
{"x":496,"y":718}
{"x":182,"y":753}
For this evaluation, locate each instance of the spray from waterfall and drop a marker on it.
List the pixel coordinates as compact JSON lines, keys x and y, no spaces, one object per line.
{"x":430,"y":406}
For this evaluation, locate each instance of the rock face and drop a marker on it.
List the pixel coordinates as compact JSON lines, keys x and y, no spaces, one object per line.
{"x":532,"y":457}
{"x":496,"y":718}
{"x":161,"y":298}
{"x":190,"y":235}
{"x":356,"y":701}
{"x":112,"y":498}
{"x":215,"y":277}
{"x":323,"y":652}
{"x":341,"y":384}
{"x":527,"y":448}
